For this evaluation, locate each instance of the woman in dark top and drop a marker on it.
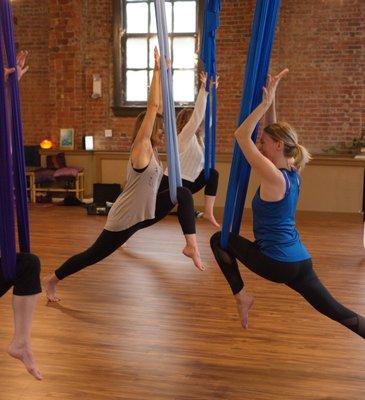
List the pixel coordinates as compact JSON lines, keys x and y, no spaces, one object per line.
{"x":26,"y":285}
{"x":277,"y":253}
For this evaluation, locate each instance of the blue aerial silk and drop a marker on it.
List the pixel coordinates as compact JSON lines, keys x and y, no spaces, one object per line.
{"x":208,"y":56}
{"x":257,"y":66}
{"x":173,"y":161}
{"x":12,"y":166}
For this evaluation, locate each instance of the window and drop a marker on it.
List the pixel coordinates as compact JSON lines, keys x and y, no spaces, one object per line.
{"x":135,"y":37}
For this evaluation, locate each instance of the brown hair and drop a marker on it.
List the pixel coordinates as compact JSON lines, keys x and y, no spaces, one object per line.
{"x":282,"y":131}
{"x":138,"y":123}
{"x":182,"y":119}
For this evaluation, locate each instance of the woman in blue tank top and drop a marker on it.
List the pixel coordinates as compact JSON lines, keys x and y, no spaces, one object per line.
{"x":277,"y":253}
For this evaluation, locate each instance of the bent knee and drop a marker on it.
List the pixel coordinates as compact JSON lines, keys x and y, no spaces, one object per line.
{"x":28,"y":263}
{"x":215,"y":240}
{"x":214,"y":173}
{"x":183,"y":194}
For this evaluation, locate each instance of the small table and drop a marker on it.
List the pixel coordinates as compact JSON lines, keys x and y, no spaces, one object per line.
{"x":33,"y":189}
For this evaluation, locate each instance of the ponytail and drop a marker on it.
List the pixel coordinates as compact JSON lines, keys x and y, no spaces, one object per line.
{"x":302,"y":157}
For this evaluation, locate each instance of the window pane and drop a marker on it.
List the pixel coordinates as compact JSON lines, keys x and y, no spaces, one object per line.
{"x":185,"y":16}
{"x":184,"y":86}
{"x":137,"y":18}
{"x":184,"y":52}
{"x":136,"y":86}
{"x":137,"y":53}
{"x":168,"y":7}
{"x":153,"y":43}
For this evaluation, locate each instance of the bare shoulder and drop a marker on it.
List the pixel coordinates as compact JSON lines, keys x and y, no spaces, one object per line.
{"x":273,"y":188}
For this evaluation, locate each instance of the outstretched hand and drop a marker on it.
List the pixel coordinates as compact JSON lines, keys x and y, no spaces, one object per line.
{"x":20,"y":63}
{"x":21,"y":69}
{"x":271,"y":86}
{"x":204,"y":77}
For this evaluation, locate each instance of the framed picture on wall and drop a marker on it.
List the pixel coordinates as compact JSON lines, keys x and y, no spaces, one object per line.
{"x":67,"y":139}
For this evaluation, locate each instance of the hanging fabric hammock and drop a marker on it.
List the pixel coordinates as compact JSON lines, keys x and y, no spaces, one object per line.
{"x":257,"y":66}
{"x":208,"y":56}
{"x":12,"y":166}
{"x":173,"y":161}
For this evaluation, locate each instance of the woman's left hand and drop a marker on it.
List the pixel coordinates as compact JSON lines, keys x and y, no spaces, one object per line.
{"x":20,"y":66}
{"x":271,"y":86}
{"x":216,"y":82}
{"x":20,"y":63}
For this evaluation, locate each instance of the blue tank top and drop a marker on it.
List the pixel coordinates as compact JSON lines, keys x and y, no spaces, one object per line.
{"x":274,"y":223}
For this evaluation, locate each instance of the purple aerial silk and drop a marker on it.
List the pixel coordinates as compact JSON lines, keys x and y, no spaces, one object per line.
{"x":12,"y":165}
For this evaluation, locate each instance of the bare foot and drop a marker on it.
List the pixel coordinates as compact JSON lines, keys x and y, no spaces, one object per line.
{"x":25,"y":355}
{"x":211,"y":219}
{"x":50,"y":283}
{"x":193,"y":253}
{"x":244,"y":303}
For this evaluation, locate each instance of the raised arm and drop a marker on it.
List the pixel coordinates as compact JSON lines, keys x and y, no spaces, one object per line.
{"x":267,"y":171}
{"x":142,"y":148}
{"x":197,"y":116}
{"x":270,"y":115}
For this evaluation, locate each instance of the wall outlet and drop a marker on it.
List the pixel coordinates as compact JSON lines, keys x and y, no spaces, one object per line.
{"x":108,"y":133}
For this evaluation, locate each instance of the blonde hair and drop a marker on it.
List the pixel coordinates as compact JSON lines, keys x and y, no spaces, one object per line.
{"x":282,"y":131}
{"x":138,"y":123}
{"x":182,"y":119}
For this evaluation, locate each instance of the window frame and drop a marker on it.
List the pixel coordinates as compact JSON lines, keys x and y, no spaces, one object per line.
{"x":120,"y":107}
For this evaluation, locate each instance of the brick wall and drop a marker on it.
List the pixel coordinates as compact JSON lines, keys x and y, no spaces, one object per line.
{"x":31,"y":19}
{"x":321,"y":41}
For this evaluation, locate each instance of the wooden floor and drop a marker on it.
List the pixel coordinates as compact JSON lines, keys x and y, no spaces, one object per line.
{"x":145,"y":324}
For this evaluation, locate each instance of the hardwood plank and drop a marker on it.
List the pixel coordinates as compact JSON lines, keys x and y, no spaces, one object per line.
{"x":145,"y":324}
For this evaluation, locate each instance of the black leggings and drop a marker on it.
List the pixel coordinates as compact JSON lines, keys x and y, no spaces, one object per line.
{"x":299,"y":276}
{"x":27,"y":280}
{"x":211,"y":185}
{"x":109,"y":241}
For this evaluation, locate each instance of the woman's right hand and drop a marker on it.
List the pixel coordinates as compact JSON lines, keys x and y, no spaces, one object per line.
{"x":7,"y":72}
{"x":203,"y":78}
{"x":271,"y":85}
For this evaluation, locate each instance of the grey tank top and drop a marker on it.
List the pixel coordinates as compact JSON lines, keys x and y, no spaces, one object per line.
{"x":137,"y":202}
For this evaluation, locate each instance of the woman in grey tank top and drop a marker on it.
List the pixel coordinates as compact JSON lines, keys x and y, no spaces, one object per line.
{"x":140,"y":205}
